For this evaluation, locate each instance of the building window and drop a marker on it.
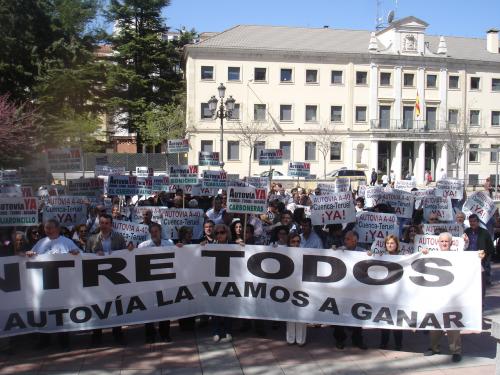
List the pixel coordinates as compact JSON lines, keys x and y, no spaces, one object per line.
{"x":311,"y":76}
{"x":431,"y":81}
{"x":205,"y":112}
{"x":493,"y":155}
{"x":360,"y":114}
{"x":233,"y":150}
{"x":235,"y":114}
{"x":207,"y":72}
{"x":260,"y":74}
{"x":408,"y":79}
{"x":286,"y":75}
{"x":475,"y":83}
{"x":310,"y":151}
{"x":453,"y":116}
{"x":495,"y":118}
{"x":473,"y":155}
{"x":259,"y":112}
{"x":233,"y":73}
{"x":337,"y":77}
{"x":361,"y":78}
{"x":335,"y":151}
{"x":286,"y":147}
{"x":453,"y":82}
{"x":385,"y":79}
{"x":336,"y":113}
{"x":495,"y":84}
{"x":285,"y":112}
{"x":474,"y":116}
{"x":207,"y":146}
{"x":473,"y":179}
{"x":257,"y":147}
{"x":311,"y":113}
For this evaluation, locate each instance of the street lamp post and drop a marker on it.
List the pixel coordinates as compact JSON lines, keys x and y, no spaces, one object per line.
{"x":224,"y":111}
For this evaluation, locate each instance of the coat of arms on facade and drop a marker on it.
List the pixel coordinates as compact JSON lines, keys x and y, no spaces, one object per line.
{"x":410,"y":43}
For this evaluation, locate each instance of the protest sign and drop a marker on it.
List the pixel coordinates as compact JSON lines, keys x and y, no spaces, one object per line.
{"x":242,"y":198}
{"x":64,"y":159}
{"x":199,"y":191}
{"x":373,"y":225}
{"x":378,"y":247}
{"x":132,"y":232}
{"x":431,"y":243}
{"x":372,"y":195}
{"x":122,"y":185}
{"x":208,"y":158}
{"x":271,"y":157}
{"x":67,"y":210}
{"x":106,"y":170}
{"x":258,"y":182}
{"x":334,"y":208}
{"x":451,"y":188}
{"x":34,"y":176}
{"x":439,"y":206}
{"x":174,"y":219}
{"x":342,"y":184}
{"x":156,"y":211}
{"x":361,"y":191}
{"x":101,"y":160}
{"x":160,"y":183}
{"x":18,"y":211}
{"x":183,"y":174}
{"x":214,"y":179}
{"x":85,"y":186}
{"x":9,"y":176}
{"x":144,"y":171}
{"x":144,"y":185}
{"x":481,"y":204}
{"x":421,"y":194}
{"x":401,"y":201}
{"x":11,"y":191}
{"x":282,"y":284}
{"x":299,"y":169}
{"x":406,"y":185}
{"x":456,"y":230}
{"x":177,"y":146}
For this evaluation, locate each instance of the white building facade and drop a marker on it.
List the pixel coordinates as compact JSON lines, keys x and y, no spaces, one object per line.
{"x":347,"y":98}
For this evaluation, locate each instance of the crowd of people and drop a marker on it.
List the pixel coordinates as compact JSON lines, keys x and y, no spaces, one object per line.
{"x":285,"y":224}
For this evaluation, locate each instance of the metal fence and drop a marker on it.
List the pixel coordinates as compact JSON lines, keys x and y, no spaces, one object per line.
{"x":158,"y":162}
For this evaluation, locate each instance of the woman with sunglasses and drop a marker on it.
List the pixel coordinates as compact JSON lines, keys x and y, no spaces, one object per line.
{"x":32,"y":236}
{"x":295,"y":332}
{"x":222,"y":326}
{"x":81,"y":235}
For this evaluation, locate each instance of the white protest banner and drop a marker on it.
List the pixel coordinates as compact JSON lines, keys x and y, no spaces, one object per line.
{"x":183,"y":174}
{"x":122,"y":185}
{"x":451,"y":188}
{"x":214,"y":179}
{"x":177,"y":146}
{"x":199,"y":191}
{"x":10,"y":176}
{"x":144,"y":185}
{"x":271,"y":157}
{"x":106,"y":170}
{"x":85,"y":186}
{"x":132,"y":232}
{"x":18,"y":212}
{"x":34,"y":176}
{"x":245,"y":199}
{"x":378,"y":247}
{"x":160,"y":183}
{"x":481,"y":204}
{"x":258,"y":182}
{"x":64,"y":159}
{"x":335,"y":208}
{"x":283,"y":284}
{"x":421,"y":194}
{"x":456,"y":230}
{"x":67,"y":210}
{"x":144,"y":171}
{"x":299,"y":169}
{"x":173,"y":219}
{"x":406,"y":185}
{"x":208,"y":158}
{"x":373,"y":225}
{"x":431,"y":243}
{"x":439,"y":206}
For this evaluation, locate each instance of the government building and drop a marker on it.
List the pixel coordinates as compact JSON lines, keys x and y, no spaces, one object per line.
{"x":395,"y":99}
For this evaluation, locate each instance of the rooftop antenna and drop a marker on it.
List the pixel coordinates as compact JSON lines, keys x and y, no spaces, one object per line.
{"x":380,"y":22}
{"x":378,"y":19}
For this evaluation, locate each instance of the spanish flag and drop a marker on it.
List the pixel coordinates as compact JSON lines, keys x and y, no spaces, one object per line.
{"x":417,"y":106}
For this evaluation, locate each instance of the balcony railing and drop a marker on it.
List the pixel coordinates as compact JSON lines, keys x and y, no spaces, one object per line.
{"x":405,"y":125}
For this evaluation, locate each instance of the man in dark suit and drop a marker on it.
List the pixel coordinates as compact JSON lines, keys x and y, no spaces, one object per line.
{"x":480,"y":239}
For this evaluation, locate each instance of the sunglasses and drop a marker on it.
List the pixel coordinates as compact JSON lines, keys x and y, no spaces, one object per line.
{"x":223,"y":232}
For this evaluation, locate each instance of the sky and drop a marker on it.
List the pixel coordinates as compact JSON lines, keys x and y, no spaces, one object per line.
{"x":468,"y":18}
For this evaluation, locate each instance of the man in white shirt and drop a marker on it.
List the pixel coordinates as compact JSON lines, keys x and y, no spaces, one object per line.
{"x":217,"y":212}
{"x":309,"y":239}
{"x":156,"y":240}
{"x":54,"y":243}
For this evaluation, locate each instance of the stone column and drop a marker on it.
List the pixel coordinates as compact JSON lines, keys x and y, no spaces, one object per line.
{"x":420,"y":163}
{"x":397,"y":158}
{"x":373,"y":155}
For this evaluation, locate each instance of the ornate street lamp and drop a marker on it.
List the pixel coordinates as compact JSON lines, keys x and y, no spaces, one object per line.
{"x":224,"y":111}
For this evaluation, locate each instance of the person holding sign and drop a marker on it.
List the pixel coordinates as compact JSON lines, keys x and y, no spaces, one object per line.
{"x":295,"y":332}
{"x":480,"y":239}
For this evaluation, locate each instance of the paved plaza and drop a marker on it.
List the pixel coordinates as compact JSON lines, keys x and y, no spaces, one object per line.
{"x":195,"y":353}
